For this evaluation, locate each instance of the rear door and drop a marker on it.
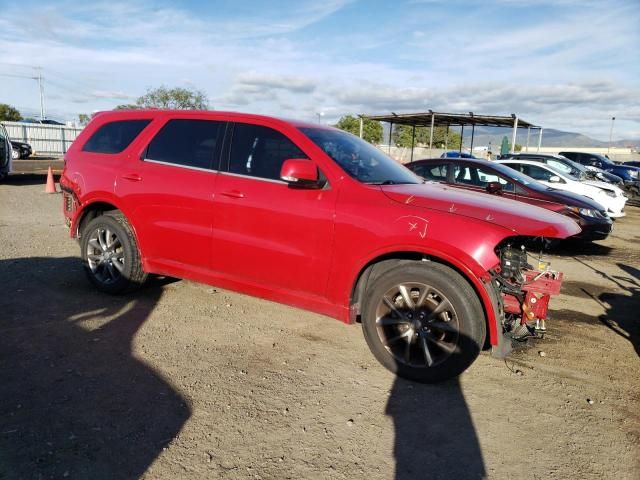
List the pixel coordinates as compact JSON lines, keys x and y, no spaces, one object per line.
{"x":169,"y":192}
{"x":266,"y":232}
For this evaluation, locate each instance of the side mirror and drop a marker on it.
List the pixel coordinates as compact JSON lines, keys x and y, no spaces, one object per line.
{"x":299,"y":172}
{"x":555,"y":179}
{"x":494,"y":187}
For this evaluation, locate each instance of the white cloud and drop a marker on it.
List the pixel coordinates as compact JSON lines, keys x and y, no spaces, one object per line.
{"x":570,"y":69}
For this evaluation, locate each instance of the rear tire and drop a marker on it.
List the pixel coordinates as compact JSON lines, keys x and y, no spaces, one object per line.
{"x":15,"y":154}
{"x":423,"y":321}
{"x":110,"y":254}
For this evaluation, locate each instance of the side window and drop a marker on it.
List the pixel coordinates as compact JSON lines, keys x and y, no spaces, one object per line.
{"x":516,"y":166}
{"x":559,"y":166}
{"x":538,"y":173}
{"x":486,"y":177}
{"x":465,"y":175}
{"x":259,"y":151}
{"x":114,"y":137}
{"x":436,"y":172}
{"x":190,"y":143}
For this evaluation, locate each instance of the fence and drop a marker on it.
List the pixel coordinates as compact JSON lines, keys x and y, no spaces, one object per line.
{"x":44,"y":139}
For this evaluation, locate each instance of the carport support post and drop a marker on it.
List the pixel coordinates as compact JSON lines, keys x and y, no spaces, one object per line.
{"x":433,"y":119}
{"x":390,"y":130}
{"x":446,"y":139}
{"x":461,"y":137}
{"x":413,"y":141}
{"x":361,"y":125}
{"x":539,"y":140}
{"x":528,"y":132}
{"x":473,"y":132}
{"x":513,"y":138}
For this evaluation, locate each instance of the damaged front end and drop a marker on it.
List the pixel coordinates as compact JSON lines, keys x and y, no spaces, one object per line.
{"x":522,"y":293}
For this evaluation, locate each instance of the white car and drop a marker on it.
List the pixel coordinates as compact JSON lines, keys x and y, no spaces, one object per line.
{"x":609,"y":196}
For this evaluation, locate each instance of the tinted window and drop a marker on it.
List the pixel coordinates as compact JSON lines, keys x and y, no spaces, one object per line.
{"x":431,"y":172}
{"x":191,"y":143}
{"x":537,"y":172}
{"x":468,"y":175}
{"x":260,"y":151}
{"x":114,"y":137}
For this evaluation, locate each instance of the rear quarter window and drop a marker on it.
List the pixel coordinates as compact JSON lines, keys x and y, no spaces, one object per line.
{"x":114,"y":137}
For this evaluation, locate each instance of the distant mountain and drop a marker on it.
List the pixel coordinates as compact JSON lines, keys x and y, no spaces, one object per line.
{"x":550,"y":138}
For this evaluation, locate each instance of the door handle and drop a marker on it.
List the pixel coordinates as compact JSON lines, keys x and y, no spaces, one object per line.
{"x":134,"y":177}
{"x":233,"y":194}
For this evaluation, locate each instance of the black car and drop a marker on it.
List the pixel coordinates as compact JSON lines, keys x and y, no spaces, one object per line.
{"x":565,"y":164}
{"x":20,"y":150}
{"x":494,"y":178}
{"x":629,"y":173}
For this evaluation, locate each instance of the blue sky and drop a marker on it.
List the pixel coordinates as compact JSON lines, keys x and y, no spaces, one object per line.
{"x":565,"y":64}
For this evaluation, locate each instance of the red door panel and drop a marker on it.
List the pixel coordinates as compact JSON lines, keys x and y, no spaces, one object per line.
{"x":269,"y":233}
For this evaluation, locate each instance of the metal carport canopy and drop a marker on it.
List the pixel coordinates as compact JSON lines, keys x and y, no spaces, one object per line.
{"x":440,"y":119}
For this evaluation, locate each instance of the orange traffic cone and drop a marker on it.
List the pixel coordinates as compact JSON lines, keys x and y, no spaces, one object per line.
{"x":51,"y":185}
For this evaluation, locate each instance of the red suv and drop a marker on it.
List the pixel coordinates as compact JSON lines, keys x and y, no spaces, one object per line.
{"x":309,"y":216}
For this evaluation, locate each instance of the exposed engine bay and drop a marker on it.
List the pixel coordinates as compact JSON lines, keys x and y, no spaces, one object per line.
{"x":525,"y":291}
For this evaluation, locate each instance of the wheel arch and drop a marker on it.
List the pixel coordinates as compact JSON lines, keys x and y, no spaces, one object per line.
{"x":384,"y":262}
{"x":91,"y":211}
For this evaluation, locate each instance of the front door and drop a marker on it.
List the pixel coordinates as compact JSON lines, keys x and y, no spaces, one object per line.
{"x":475,"y":178}
{"x":266,"y":232}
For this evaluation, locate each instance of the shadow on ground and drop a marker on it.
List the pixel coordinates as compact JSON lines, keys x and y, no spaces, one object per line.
{"x":622,"y":314}
{"x":434,"y":433}
{"x":25,"y":179}
{"x":75,"y":401}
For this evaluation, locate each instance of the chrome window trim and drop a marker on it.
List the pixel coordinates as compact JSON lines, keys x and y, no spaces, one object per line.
{"x":262,"y":179}
{"x":188,"y":167}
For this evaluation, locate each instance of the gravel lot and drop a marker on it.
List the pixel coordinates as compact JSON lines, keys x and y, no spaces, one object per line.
{"x":183,"y":380}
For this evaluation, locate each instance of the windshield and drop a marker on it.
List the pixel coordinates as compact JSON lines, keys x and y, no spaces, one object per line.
{"x":569,"y":166}
{"x":360,"y":159}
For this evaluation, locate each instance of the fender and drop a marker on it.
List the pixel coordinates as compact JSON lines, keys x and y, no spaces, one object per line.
{"x":468,"y":267}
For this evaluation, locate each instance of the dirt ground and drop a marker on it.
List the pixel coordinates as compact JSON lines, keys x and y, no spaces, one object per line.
{"x":183,"y":380}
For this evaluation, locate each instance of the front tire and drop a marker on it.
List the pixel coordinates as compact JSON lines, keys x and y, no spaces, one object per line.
{"x":110,"y":254}
{"x":423,"y":321}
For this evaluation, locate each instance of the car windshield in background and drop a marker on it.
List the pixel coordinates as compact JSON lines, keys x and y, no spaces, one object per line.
{"x":360,"y":159}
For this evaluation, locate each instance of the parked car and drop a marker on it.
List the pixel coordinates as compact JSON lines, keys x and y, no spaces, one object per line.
{"x":574,"y":168}
{"x":20,"y":150}
{"x":46,"y":121}
{"x":310,"y":216}
{"x":632,"y":163}
{"x":454,"y":154}
{"x":629,"y":174}
{"x":497,"y":179}
{"x":553,"y":177}
{"x":5,"y":153}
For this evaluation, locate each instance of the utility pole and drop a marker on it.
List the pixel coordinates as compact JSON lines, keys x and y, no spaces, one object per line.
{"x":40,"y":80}
{"x":41,"y":88}
{"x":610,"y":135}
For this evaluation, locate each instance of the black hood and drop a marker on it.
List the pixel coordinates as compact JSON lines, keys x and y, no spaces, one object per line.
{"x":574,"y":200}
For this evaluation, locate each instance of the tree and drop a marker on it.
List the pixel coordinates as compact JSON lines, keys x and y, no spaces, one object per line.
{"x":173,"y":98}
{"x":403,"y":134}
{"x":9,"y":114}
{"x":83,"y":119}
{"x":126,"y":106}
{"x":371,"y":129}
